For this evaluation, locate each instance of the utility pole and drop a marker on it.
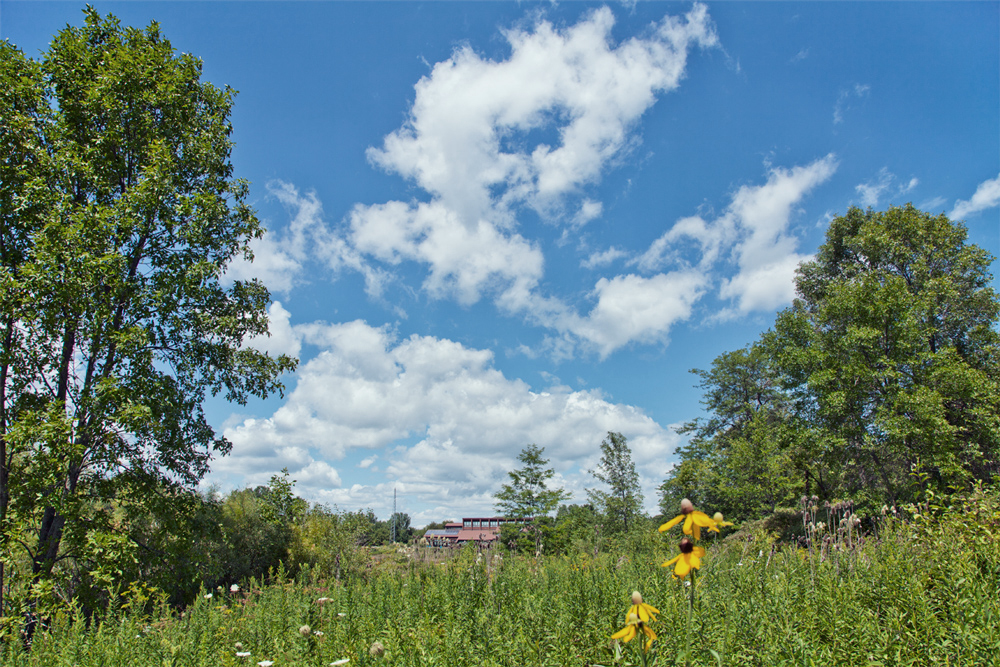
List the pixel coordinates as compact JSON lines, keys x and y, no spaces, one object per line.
{"x":394,"y":519}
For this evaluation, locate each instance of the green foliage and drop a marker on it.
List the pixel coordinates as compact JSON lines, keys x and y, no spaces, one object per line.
{"x":623,"y":503}
{"x":742,"y":460}
{"x":892,"y":350}
{"x":118,"y":217}
{"x":328,"y":543}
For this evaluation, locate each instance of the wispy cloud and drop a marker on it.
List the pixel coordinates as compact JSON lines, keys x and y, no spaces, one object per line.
{"x":281,"y":257}
{"x":932,"y":205}
{"x":873,"y":191}
{"x":604,"y":258}
{"x":857,"y":91}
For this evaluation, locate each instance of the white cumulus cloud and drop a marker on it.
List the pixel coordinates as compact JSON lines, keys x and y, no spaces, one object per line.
{"x":987,"y":195}
{"x":444,"y":423}
{"x":488,"y":139}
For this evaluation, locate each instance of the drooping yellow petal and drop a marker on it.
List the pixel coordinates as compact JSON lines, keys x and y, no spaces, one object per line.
{"x":682,"y":567}
{"x":697,"y":530}
{"x":643,"y":611}
{"x":649,"y":633}
{"x":640,"y":612}
{"x":699,"y":552}
{"x":688,"y":522}
{"x":626,"y":634}
{"x":695,"y":561}
{"x":673,"y":522}
{"x":671,"y":561}
{"x":703,"y":520}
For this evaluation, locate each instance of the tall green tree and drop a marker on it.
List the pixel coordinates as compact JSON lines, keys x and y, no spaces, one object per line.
{"x":527,"y":494}
{"x":24,"y":195}
{"x":892,"y":349}
{"x":622,"y":503}
{"x":116,"y":318}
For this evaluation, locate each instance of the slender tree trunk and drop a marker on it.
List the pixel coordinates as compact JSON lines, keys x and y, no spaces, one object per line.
{"x":4,"y":469}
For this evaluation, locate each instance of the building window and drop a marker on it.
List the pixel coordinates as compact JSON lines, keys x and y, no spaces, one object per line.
{"x":493,"y":523}
{"x":468,"y":524}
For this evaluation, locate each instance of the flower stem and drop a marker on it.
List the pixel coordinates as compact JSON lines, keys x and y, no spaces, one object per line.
{"x":687,"y":648}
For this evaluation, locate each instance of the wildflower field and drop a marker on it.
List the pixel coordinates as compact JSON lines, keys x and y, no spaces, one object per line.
{"x":920,"y":591}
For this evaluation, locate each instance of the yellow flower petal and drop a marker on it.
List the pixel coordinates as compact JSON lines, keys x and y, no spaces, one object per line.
{"x":697,"y":531}
{"x":673,"y":522}
{"x":699,"y":552}
{"x":682,"y":567}
{"x":626,"y":634}
{"x":649,"y":633}
{"x":688,"y":522}
{"x":645,"y":612}
{"x":671,"y":561}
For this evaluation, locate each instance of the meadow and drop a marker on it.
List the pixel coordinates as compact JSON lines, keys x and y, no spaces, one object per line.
{"x":920,"y":591}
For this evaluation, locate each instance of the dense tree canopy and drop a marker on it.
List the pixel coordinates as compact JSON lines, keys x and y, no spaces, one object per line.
{"x":119,"y":214}
{"x":892,"y":350}
{"x":888,"y":362}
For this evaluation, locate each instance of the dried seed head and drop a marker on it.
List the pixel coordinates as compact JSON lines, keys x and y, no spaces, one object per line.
{"x":377,"y":650}
{"x":686,"y":506}
{"x":305,"y":631}
{"x":815,"y":499}
{"x":636,"y":597}
{"x":239,"y":646}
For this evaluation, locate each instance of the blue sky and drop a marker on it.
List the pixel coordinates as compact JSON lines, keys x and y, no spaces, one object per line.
{"x":492,"y":224}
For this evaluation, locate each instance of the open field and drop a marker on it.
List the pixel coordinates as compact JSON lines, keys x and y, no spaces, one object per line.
{"x":923,"y":592}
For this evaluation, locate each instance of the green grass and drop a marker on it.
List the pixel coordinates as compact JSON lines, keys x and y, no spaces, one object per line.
{"x":923,"y":593}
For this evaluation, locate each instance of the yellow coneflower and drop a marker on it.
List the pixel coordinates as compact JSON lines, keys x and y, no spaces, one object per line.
{"x":635,"y":625}
{"x":688,"y":559}
{"x":641,"y":609}
{"x":718,"y":519}
{"x":693,"y":520}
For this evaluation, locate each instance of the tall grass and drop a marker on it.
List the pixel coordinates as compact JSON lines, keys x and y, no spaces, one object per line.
{"x":925,"y":592}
